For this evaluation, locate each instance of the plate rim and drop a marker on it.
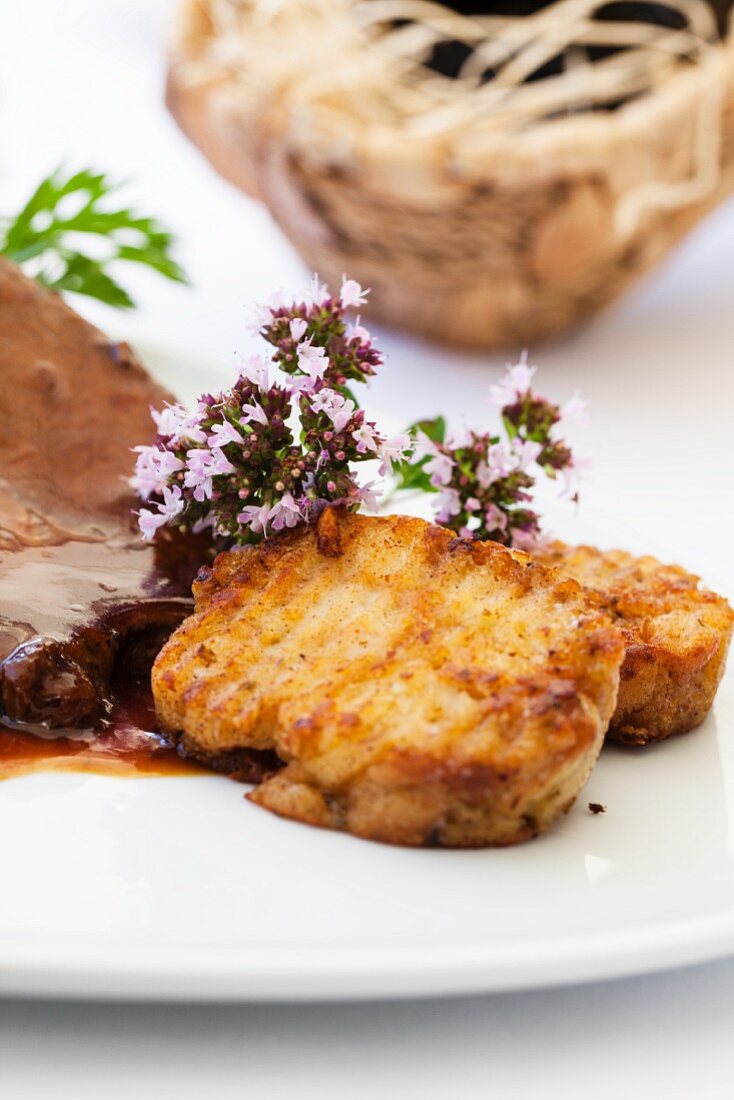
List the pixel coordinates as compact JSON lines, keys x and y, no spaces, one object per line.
{"x":343,"y":974}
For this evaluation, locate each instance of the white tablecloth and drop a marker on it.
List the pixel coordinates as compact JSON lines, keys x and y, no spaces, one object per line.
{"x":81,"y":81}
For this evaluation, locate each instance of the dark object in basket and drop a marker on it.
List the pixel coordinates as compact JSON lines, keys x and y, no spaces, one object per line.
{"x":448,"y":57}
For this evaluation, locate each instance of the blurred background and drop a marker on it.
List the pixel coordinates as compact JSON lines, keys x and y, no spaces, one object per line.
{"x":82,"y":82}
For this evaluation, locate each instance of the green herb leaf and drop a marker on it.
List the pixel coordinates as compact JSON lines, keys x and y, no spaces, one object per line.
{"x":410,"y":475}
{"x":67,"y":236}
{"x":349,"y":393}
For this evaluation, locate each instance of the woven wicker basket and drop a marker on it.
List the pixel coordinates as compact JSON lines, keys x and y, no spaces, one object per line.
{"x":477,"y":216}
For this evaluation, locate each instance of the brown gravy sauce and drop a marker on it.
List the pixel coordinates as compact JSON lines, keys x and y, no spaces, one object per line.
{"x":71,"y":595}
{"x":129,"y":745}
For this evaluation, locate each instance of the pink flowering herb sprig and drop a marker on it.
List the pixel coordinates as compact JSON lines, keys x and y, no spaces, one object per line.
{"x":485,"y":481}
{"x":282,"y":443}
{"x":314,"y":339}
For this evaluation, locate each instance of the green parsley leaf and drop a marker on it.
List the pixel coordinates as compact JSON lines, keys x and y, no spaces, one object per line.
{"x":67,"y":236}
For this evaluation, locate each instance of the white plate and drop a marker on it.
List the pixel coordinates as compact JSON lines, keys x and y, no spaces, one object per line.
{"x":179,"y":888}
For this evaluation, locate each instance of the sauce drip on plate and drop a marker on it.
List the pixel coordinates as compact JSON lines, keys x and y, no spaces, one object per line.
{"x":128,"y":745}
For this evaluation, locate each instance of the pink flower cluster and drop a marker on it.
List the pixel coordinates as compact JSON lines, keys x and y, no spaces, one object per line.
{"x":484,"y":481}
{"x":313,"y":337}
{"x":282,"y":443}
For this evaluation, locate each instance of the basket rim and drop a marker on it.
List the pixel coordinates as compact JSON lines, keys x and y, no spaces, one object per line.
{"x":584,"y":141}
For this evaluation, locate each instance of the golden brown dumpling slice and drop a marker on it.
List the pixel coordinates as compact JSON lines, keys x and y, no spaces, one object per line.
{"x":677,"y":637}
{"x":421,"y":689}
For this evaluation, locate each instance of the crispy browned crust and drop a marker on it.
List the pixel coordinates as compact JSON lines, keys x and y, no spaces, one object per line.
{"x":421,"y":689}
{"x":242,"y":765}
{"x":677,"y":636}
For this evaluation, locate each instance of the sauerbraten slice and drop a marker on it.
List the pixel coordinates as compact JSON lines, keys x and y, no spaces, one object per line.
{"x":75,"y":579}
